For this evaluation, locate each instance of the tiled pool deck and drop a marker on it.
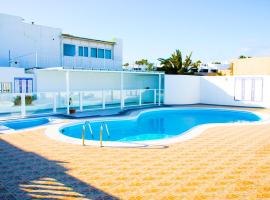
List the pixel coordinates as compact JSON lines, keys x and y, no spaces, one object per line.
{"x":228,"y":162}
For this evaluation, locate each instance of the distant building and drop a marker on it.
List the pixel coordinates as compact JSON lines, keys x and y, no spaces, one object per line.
{"x":251,"y":66}
{"x":210,"y":69}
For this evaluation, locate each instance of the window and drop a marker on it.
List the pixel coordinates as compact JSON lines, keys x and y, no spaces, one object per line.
{"x":6,"y":87}
{"x":69,"y":50}
{"x":94,"y":52}
{"x":100,"y":53}
{"x":23,"y":85}
{"x":108,"y":54}
{"x":248,"y":89}
{"x":85,"y":51}
{"x":80,"y":51}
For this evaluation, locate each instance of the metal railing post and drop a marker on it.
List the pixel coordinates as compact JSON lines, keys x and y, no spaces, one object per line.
{"x":159,"y":89}
{"x":54,"y":102}
{"x":23,"y":112}
{"x":122,"y":100}
{"x":140,"y":97}
{"x":155,"y":96}
{"x":103,"y":100}
{"x":81,"y":101}
{"x":67,"y":99}
{"x":159,"y":97}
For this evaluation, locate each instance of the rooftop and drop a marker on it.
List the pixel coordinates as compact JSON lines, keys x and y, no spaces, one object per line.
{"x":101,"y":71}
{"x":87,"y":39}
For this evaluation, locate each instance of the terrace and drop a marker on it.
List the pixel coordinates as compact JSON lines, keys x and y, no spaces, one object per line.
{"x":224,"y":162}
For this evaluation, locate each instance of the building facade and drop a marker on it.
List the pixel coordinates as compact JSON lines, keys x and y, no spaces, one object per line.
{"x":25,"y":46}
{"x":251,"y":66}
{"x":28,"y":45}
{"x":85,"y":53}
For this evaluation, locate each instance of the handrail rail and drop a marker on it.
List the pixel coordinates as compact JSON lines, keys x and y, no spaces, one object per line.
{"x":86,"y":123}
{"x":102,"y":126}
{"x":107,"y":129}
{"x":90,"y":128}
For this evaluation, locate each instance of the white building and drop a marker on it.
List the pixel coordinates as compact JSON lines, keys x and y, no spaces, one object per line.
{"x":85,"y":53}
{"x":28,"y":45}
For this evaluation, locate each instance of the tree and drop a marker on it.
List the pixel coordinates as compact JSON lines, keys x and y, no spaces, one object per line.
{"x":126,"y":64}
{"x":188,"y":62}
{"x":243,"y":57}
{"x":141,"y":62}
{"x":149,"y":66}
{"x":173,"y":64}
{"x":197,"y":64}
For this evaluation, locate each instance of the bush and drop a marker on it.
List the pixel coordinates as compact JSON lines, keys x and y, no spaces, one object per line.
{"x":28,"y":100}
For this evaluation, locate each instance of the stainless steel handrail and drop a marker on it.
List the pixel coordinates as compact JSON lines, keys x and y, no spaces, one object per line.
{"x":107,"y":129}
{"x":86,"y":123}
{"x":102,"y":126}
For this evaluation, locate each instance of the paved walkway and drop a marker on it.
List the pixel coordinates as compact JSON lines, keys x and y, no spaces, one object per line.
{"x":221,"y":163}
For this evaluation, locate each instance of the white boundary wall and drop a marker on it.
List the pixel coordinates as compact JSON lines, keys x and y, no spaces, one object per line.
{"x":181,"y":89}
{"x":217,"y":90}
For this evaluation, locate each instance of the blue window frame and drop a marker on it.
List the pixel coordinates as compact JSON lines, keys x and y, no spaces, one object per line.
{"x":69,"y":50}
{"x":80,"y":51}
{"x":94,"y":52}
{"x":23,"y":85}
{"x":108,"y":54}
{"x":85,"y":51}
{"x":100,"y":53}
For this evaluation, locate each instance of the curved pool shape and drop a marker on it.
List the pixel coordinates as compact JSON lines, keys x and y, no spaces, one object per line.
{"x":159,"y":124}
{"x":25,"y":123}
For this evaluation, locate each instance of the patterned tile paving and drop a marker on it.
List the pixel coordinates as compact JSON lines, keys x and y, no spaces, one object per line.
{"x":221,"y":163}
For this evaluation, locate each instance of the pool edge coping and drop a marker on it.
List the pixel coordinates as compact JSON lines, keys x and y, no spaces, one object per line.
{"x":54,"y":133}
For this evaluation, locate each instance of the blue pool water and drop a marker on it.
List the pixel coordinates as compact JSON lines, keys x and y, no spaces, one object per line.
{"x":25,"y":123}
{"x":160,"y":124}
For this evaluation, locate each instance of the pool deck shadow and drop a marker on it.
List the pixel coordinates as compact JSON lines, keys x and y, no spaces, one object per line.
{"x":26,"y":175}
{"x":224,"y":162}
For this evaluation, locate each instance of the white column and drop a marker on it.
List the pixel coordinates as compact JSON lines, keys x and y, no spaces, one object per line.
{"x":140,"y":97}
{"x":67,"y":90}
{"x":81,"y":101}
{"x":36,"y":59}
{"x":122,"y":91}
{"x":103,"y":99}
{"x":54,"y":102}
{"x":23,"y":112}
{"x":155,"y":96}
{"x":159,"y":89}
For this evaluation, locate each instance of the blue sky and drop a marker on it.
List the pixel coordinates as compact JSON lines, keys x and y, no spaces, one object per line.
{"x":214,"y":30}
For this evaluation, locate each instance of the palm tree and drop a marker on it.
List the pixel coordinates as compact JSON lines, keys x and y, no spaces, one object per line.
{"x":243,"y":57}
{"x":197,"y":64}
{"x":173,"y":64}
{"x":188,"y":61}
{"x":141,"y":62}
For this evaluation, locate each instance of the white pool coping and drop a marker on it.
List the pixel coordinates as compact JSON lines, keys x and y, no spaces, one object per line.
{"x":54,"y":133}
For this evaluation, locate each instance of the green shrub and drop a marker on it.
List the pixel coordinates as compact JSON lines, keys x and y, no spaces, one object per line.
{"x":28,"y":100}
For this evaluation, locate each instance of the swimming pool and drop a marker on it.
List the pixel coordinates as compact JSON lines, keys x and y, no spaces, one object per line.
{"x":159,"y":124}
{"x":25,"y":123}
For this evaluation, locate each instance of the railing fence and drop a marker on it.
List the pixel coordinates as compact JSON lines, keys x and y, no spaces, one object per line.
{"x":27,"y":104}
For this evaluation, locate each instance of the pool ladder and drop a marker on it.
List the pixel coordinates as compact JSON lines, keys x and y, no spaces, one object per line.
{"x":102,"y":127}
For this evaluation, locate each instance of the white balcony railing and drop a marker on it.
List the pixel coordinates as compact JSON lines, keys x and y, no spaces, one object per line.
{"x":28,"y":104}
